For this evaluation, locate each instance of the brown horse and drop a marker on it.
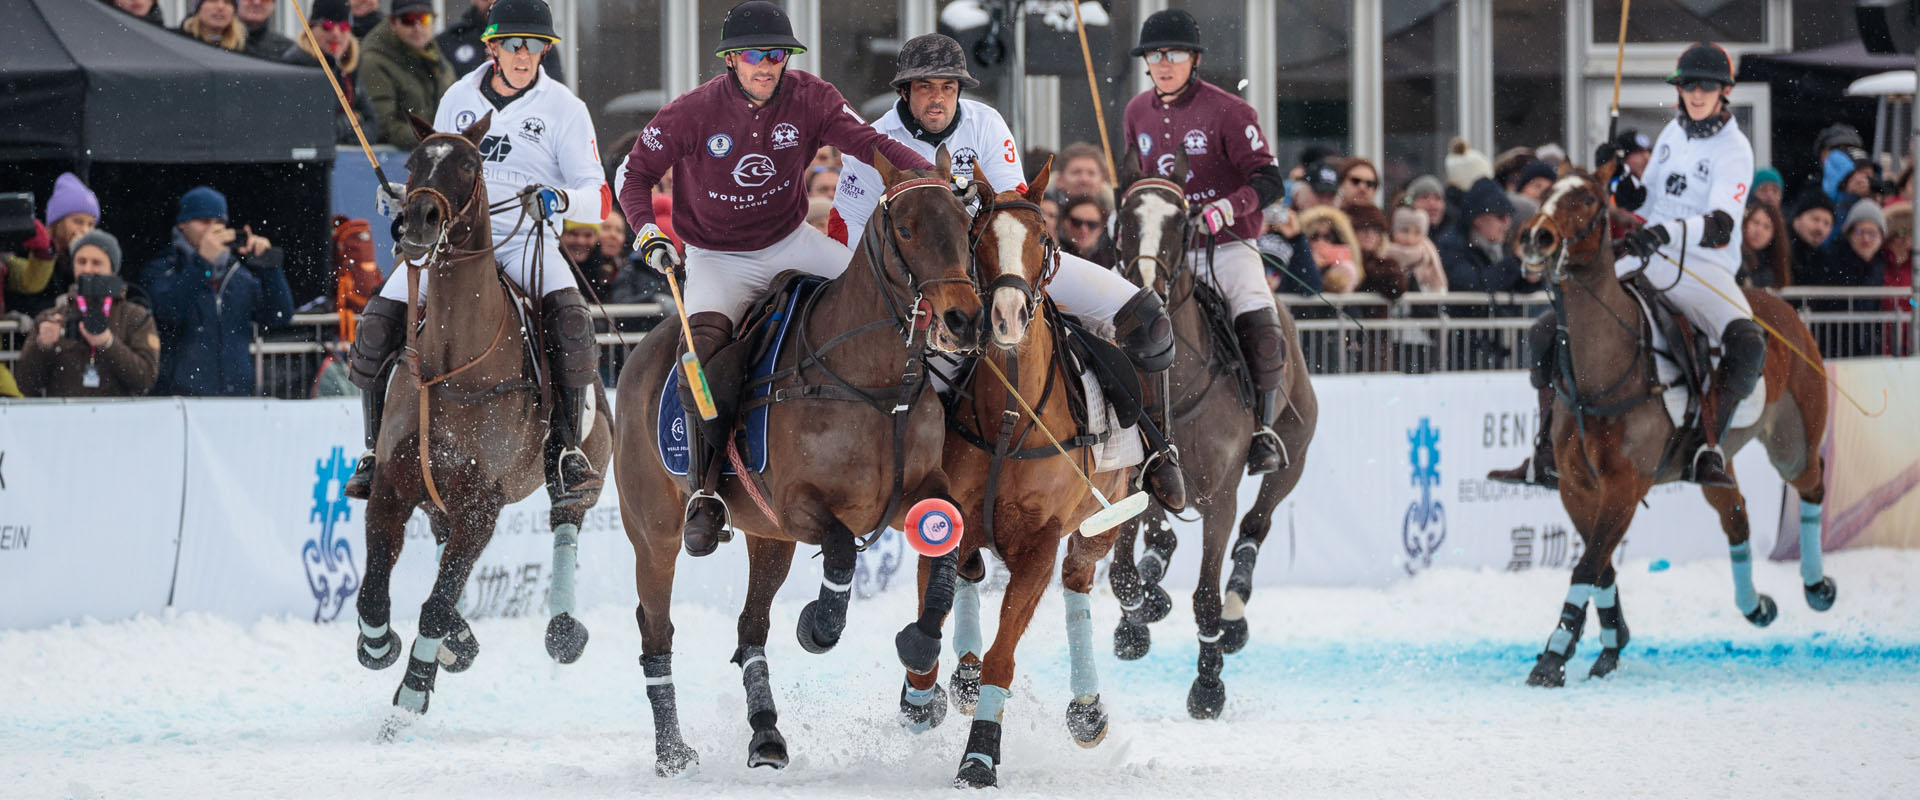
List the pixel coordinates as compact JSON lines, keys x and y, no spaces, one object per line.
{"x":833,"y":466}
{"x":1020,"y":496}
{"x":484,"y":425}
{"x":1212,"y":420}
{"x":1613,"y":438}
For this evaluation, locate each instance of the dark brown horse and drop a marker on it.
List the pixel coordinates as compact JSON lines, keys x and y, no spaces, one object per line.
{"x":852,"y":427}
{"x":1211,"y":419}
{"x":1019,"y":494}
{"x":1613,"y":436}
{"x":485,"y":429}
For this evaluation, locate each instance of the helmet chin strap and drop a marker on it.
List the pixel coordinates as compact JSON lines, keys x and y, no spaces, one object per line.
{"x":1703,"y":128}
{"x":1167,"y":97}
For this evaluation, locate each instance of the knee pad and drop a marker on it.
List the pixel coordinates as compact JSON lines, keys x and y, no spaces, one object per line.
{"x":1743,"y":347}
{"x":710,"y":331}
{"x":574,"y":355}
{"x":379,"y":335}
{"x":1540,"y":349}
{"x":1145,"y":332}
{"x":1260,"y":338}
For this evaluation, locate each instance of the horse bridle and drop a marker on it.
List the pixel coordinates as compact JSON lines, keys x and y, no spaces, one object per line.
{"x":906,"y":321}
{"x":1179,"y":194}
{"x":1049,"y":251}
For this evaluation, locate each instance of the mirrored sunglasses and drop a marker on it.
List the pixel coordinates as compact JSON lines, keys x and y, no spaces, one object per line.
{"x":1170,"y":56}
{"x":336,"y":27}
{"x":775,"y":56}
{"x":515,"y":44}
{"x":413,"y":18}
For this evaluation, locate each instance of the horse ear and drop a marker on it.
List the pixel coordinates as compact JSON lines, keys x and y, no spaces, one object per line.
{"x":478,"y":130}
{"x":421,"y":128}
{"x":943,"y":163}
{"x":1604,"y":174}
{"x":888,"y":174}
{"x":1129,"y":167}
{"x":1180,"y":172}
{"x":980,"y":177}
{"x":1038,"y":188}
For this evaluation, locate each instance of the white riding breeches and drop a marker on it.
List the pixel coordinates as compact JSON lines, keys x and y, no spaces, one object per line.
{"x":1090,"y":292}
{"x":516,"y":254}
{"x":1708,"y":310}
{"x":1239,"y":275}
{"x":729,"y":281}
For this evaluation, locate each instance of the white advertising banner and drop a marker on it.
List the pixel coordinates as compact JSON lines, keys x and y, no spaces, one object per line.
{"x":90,"y":499}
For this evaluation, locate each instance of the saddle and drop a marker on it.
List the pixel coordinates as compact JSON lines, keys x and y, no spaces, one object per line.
{"x":1684,"y":362}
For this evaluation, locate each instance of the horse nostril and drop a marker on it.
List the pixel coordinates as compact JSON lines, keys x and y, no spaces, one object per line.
{"x":958,"y":323}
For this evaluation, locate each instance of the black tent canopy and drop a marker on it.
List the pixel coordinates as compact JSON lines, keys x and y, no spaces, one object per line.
{"x":83,"y":82}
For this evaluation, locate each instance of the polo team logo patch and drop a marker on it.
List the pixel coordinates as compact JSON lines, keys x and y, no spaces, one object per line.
{"x":719,"y":145}
{"x":785,"y":136}
{"x":1146,"y":144}
{"x":464,"y":119}
{"x":754,"y":169}
{"x":1196,"y":142}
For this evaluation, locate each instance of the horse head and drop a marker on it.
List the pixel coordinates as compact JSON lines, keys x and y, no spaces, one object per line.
{"x":1570,"y":232}
{"x":1016,"y":257}
{"x":1150,"y":222}
{"x":444,"y":187}
{"x":928,"y":235}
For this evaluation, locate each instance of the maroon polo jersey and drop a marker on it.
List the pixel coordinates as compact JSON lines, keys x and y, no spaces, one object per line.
{"x":1223,"y":141}
{"x":740,"y":171}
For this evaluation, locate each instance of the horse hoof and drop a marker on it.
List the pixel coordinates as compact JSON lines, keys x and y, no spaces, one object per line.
{"x":919,"y":653}
{"x":1549,"y":670}
{"x":966,"y":687}
{"x":378,"y":654}
{"x":1207,"y":697}
{"x":923,"y":718}
{"x":1820,"y":595}
{"x":1233,"y":635}
{"x":1765,"y":613}
{"x":768,"y":749}
{"x":566,"y":638}
{"x":674,"y":759}
{"x":1152,"y":567}
{"x":1131,"y":641}
{"x":1087,"y":722}
{"x":1154,"y":604}
{"x":975,"y":774}
{"x":458,"y":649}
{"x":809,"y":637}
{"x":1608,"y":661}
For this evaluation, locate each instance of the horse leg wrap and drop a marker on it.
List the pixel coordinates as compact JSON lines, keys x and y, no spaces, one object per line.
{"x":417,"y":686}
{"x":1085,"y":677}
{"x":566,"y":555}
{"x":1246,"y":552}
{"x":918,"y":644}
{"x":1573,"y":618}
{"x":1744,"y":597}
{"x":1613,"y":624}
{"x":671,"y":753}
{"x":753,"y":676}
{"x":1811,"y":568}
{"x":921,"y":710}
{"x":983,"y":749}
{"x":966,"y":619}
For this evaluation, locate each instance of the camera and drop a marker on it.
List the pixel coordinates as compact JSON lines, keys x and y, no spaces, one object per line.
{"x":95,"y":295}
{"x":16,"y":215}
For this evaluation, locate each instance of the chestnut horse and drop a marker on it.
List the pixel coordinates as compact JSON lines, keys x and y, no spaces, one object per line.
{"x":1612,"y":433}
{"x":852,"y":425}
{"x":1019,"y":499}
{"x":1212,"y":421}
{"x":485,"y":424}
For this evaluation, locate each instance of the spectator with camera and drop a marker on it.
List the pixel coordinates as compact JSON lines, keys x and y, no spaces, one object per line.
{"x":97,"y":342}
{"x":331,"y":23}
{"x":402,"y":71}
{"x":209,"y":289}
{"x":36,"y":279}
{"x":214,"y":22}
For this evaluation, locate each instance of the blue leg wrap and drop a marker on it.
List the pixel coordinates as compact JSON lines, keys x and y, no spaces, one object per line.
{"x":1085,"y":678}
{"x":1604,"y":599}
{"x":1744,"y":598}
{"x":919,"y":697}
{"x":566,"y":555}
{"x":1811,"y":568}
{"x":966,"y":619}
{"x":412,"y":694}
{"x":1563,"y":636}
{"x":993,"y":702}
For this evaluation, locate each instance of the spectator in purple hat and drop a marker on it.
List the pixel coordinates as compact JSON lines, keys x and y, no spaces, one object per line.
{"x":72,"y":210}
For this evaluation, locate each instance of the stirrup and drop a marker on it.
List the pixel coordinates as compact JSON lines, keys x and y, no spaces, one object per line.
{"x":359,"y":485}
{"x":1279,"y":446}
{"x":726,"y":514}
{"x":1724,"y":479}
{"x":590,"y":479}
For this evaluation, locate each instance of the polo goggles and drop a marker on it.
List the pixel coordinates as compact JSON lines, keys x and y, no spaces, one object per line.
{"x":756,"y":56}
{"x":1170,"y":56}
{"x":515,"y":44}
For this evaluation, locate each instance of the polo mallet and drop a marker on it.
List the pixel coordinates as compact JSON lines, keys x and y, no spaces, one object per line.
{"x":1613,"y":111}
{"x":1093,"y":85}
{"x":327,"y":67}
{"x":690,"y":361}
{"x":1111,"y":515}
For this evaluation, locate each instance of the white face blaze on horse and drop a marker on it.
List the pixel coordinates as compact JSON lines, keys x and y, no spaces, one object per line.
{"x":1010,"y":304}
{"x":1537,"y":240}
{"x":1153,"y":212}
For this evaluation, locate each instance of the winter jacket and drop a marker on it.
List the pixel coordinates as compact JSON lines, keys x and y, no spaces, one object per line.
{"x":263,"y":42}
{"x":1472,"y":267}
{"x":206,"y":313}
{"x":23,"y":278}
{"x":346,"y":68}
{"x":127,"y":367}
{"x":401,"y":80}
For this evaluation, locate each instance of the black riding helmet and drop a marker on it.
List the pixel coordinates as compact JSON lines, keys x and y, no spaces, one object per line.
{"x":520,"y":18}
{"x":1703,"y":61}
{"x":1170,"y":28}
{"x":757,"y":25}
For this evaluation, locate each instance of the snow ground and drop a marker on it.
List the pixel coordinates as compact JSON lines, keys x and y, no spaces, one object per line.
{"x":1414,"y":690}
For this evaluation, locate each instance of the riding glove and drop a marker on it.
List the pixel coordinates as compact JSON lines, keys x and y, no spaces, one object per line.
{"x":656,"y":249}
{"x":1646,"y":241}
{"x":387,"y":199}
{"x":1218,"y":215}
{"x":543,"y":202}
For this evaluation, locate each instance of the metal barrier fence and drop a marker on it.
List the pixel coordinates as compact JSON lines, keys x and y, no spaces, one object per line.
{"x":1419,"y":333}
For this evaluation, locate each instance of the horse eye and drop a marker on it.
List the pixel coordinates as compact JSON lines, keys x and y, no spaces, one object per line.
{"x":903,"y":232}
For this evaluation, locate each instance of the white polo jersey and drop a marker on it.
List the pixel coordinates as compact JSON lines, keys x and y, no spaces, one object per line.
{"x":543,"y":137}
{"x":1687,"y":179}
{"x":981,"y":144}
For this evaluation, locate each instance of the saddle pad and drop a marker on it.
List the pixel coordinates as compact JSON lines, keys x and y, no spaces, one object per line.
{"x":1120,"y":450}
{"x":1677,"y":394}
{"x":672,"y":423}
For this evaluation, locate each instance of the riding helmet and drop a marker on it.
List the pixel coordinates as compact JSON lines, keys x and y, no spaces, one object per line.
{"x":1169,"y":29}
{"x":931,"y":56}
{"x":520,"y":18}
{"x":757,"y":25}
{"x":1703,"y":61}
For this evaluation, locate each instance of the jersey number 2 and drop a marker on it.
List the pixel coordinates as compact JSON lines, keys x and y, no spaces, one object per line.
{"x":1253,"y":137}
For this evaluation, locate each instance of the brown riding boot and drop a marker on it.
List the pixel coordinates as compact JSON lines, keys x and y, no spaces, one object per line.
{"x":1743,"y":348}
{"x":1538,"y":470}
{"x":381,"y":331}
{"x":705,"y":524}
{"x":1145,"y":333}
{"x":1265,"y":350}
{"x":1161,"y":474}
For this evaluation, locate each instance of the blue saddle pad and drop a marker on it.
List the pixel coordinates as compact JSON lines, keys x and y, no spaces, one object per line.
{"x":672,"y":433}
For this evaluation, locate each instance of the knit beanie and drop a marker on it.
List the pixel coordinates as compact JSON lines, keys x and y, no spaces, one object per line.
{"x":330,"y":10}
{"x":70,"y":196}
{"x":1410,"y":219}
{"x":104,"y":241}
{"x":202,"y":202}
{"x":1765,"y":175}
{"x":1465,"y":165}
{"x":1425,"y":185}
{"x":1865,"y":211}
